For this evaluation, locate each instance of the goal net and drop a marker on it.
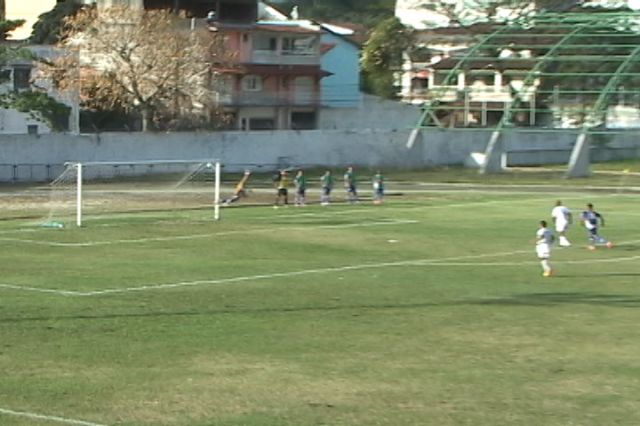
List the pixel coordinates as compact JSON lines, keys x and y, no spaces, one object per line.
{"x":134,"y":190}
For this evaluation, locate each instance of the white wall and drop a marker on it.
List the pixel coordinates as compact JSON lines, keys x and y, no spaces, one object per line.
{"x":15,"y":122}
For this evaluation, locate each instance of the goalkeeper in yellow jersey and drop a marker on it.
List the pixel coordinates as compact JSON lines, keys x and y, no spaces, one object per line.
{"x":282,"y":186}
{"x":240,"y":191}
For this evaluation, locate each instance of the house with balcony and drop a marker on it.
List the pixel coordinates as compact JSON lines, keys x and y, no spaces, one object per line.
{"x":274,"y":80}
{"x":469,"y":91}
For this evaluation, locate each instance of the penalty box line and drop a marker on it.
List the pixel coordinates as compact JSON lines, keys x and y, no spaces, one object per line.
{"x":301,"y":214}
{"x":450,"y":261}
{"x":35,"y":416}
{"x":270,"y":217}
{"x":415,"y":262}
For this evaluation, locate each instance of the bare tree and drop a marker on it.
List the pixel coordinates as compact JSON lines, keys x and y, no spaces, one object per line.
{"x":150,"y":62}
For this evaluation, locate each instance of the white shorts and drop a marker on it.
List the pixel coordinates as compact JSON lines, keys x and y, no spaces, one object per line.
{"x":562,"y":226}
{"x":543,"y":251}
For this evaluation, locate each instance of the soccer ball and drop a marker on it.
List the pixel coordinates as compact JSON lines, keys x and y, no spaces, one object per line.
{"x":209,"y":165}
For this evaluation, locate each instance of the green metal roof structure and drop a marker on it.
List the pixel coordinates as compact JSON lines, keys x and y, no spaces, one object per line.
{"x":559,"y":72}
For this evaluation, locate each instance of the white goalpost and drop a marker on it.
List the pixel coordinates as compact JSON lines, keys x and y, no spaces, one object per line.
{"x":107,"y":188}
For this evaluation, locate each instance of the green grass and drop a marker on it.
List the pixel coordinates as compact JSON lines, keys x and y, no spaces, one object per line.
{"x":428,"y":310}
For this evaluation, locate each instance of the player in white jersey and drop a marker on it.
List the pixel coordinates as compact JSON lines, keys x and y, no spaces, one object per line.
{"x":544,"y":240}
{"x":562,"y":218}
{"x":592,"y":220}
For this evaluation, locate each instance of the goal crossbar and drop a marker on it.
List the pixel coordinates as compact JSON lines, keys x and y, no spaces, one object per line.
{"x":79,"y":166}
{"x":142,"y":163}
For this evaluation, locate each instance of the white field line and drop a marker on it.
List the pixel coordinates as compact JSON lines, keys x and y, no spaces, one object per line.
{"x":208,"y":235}
{"x":56,"y":419}
{"x":293,"y":215}
{"x":417,"y":262}
{"x":550,"y":200}
{"x":388,"y":207}
{"x":39,"y":290}
{"x":450,"y":261}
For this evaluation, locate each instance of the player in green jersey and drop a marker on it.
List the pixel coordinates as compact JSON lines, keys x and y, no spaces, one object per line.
{"x":350,"y":185}
{"x":301,"y":186}
{"x":326,"y":181}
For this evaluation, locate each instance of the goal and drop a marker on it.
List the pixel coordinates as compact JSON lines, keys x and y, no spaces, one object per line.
{"x":134,"y":190}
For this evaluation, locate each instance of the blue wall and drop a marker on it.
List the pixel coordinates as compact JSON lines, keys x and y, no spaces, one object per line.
{"x":342,"y":89}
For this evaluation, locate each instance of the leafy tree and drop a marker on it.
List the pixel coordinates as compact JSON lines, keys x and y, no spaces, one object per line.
{"x":124,"y":58}
{"x":8,"y":25}
{"x":49,"y":27}
{"x":41,"y":106}
{"x":382,"y":57}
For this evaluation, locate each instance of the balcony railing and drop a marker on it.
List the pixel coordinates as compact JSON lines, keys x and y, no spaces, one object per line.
{"x":271,"y":57}
{"x":239,"y":98}
{"x":452,"y":93}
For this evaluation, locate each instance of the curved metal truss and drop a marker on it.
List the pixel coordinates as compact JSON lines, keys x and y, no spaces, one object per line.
{"x":573,"y":72}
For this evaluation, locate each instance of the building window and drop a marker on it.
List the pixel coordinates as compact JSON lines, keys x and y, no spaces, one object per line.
{"x":5,"y":75}
{"x":303,"y":120}
{"x":262,"y":124}
{"x":21,"y":78}
{"x":303,"y":89}
{"x":252,"y":83}
{"x":265,"y":43}
{"x":299,"y":45}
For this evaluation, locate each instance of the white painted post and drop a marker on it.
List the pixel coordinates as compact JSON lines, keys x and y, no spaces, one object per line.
{"x":467,"y":107}
{"x":79,"y":195}
{"x":461,"y":81}
{"x":216,"y":197}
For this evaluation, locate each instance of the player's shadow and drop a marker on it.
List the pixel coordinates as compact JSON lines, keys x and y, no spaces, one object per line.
{"x":627,"y":247}
{"x":574,"y":298}
{"x":529,"y":299}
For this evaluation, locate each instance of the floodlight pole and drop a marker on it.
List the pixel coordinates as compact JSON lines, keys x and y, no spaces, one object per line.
{"x":79,"y":194}
{"x":216,"y":197}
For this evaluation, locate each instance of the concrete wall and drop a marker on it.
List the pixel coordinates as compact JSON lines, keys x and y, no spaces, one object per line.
{"x":548,"y":148}
{"x":40,"y":158}
{"x":372,"y":113}
{"x":32,"y":154}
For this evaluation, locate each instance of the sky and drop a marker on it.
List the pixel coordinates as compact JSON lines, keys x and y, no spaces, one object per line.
{"x":28,"y":10}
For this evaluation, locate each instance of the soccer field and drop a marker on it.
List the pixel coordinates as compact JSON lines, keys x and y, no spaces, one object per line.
{"x":427,"y":310}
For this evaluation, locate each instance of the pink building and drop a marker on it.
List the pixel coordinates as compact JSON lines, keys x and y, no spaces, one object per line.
{"x":274,"y":82}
